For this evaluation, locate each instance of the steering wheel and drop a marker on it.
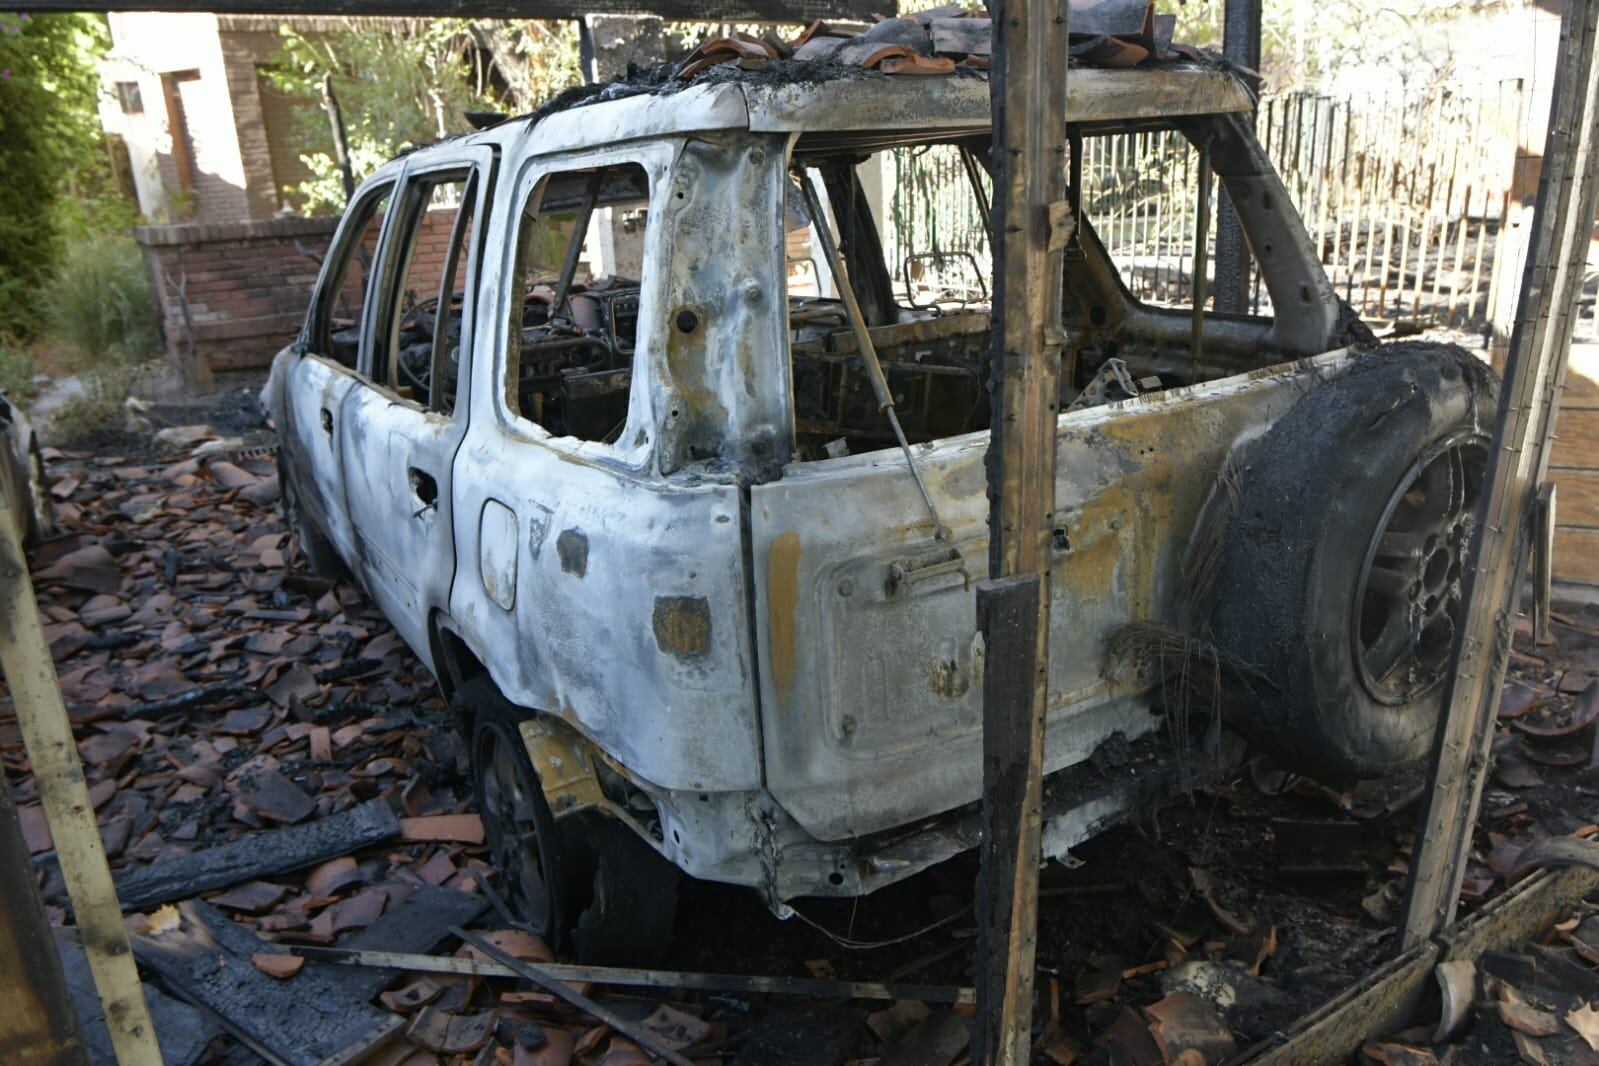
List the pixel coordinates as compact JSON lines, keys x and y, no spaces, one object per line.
{"x":419,"y":377}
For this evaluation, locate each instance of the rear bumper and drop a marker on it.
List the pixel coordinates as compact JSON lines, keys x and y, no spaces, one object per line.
{"x":744,"y":839}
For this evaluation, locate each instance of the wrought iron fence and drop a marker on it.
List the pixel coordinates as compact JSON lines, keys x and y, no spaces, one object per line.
{"x":1405,"y":199}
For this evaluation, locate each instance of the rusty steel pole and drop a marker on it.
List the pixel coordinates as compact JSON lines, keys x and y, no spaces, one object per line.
{"x":1031,"y":224}
{"x":1540,"y":343}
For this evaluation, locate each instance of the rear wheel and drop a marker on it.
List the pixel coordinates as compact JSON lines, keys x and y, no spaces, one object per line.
{"x":517,"y":822}
{"x":1340,"y":582}
{"x":1408,"y":594}
{"x":588,"y":882}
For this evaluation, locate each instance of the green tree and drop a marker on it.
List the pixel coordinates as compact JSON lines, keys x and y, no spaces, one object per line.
{"x":401,"y":83}
{"x":1305,"y":44}
{"x":50,"y":153}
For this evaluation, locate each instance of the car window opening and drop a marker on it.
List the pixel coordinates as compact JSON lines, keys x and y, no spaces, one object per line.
{"x":418,"y":354}
{"x":579,"y":269}
{"x":340,"y":318}
{"x":920,"y":269}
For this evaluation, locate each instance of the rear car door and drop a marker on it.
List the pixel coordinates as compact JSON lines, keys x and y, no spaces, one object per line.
{"x":323,"y":374}
{"x":590,"y":586}
{"x":404,"y":420}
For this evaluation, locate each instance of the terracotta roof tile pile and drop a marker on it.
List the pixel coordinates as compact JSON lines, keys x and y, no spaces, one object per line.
{"x":273,"y":772}
{"x":1104,"y":33}
{"x":236,"y":713}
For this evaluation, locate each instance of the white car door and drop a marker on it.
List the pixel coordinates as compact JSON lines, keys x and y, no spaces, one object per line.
{"x":403,"y":420}
{"x":323,"y":373}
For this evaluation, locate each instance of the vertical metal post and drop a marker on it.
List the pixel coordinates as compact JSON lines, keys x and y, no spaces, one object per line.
{"x":1240,"y":43}
{"x":1196,"y":340}
{"x":587,"y":57}
{"x":1031,"y":225}
{"x":38,"y":1026}
{"x":53,"y":757}
{"x":1545,"y":515}
{"x":1534,"y":375}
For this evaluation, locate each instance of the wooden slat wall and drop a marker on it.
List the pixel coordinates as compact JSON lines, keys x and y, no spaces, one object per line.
{"x":1574,"y":468}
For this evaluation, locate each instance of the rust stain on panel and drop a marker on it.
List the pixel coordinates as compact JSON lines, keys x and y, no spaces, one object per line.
{"x":782,"y":600}
{"x":573,"y":548}
{"x":683,"y":626}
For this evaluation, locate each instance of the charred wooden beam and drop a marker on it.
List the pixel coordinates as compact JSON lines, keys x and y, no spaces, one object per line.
{"x":38,"y":1026}
{"x":1030,"y":226}
{"x":313,"y":1020}
{"x":58,"y":774}
{"x":268,"y":854}
{"x":704,"y":10}
{"x":1388,"y":998}
{"x":1535,"y":373}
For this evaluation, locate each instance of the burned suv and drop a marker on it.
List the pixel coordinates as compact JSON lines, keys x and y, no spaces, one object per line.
{"x":579,"y":404}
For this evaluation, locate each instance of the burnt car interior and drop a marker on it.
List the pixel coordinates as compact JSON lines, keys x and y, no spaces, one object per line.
{"x":572,"y":333}
{"x":935,"y":354}
{"x":336,"y":324}
{"x":416,"y":347}
{"x":418,"y":353}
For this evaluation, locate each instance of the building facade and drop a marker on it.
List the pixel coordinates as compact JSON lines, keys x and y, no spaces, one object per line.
{"x":212,"y":147}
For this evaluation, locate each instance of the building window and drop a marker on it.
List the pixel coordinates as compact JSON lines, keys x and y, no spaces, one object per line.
{"x":128,"y":96}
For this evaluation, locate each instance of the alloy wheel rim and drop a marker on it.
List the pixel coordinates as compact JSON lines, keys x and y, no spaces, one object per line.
{"x":1409,"y":590}
{"x":511,"y":825}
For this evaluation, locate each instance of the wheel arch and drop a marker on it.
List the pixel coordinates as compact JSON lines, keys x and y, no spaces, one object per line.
{"x":455,"y":660}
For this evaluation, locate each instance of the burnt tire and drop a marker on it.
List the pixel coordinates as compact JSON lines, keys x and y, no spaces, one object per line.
{"x":587,"y":883}
{"x":320,"y":555}
{"x":625,"y":910}
{"x":1340,"y":577}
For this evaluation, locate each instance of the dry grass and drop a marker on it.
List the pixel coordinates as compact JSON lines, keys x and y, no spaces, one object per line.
{"x":101,"y":417}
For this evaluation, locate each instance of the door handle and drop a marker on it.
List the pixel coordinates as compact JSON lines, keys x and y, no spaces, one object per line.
{"x":908,"y":577}
{"x":327,"y":421}
{"x":424,"y":488}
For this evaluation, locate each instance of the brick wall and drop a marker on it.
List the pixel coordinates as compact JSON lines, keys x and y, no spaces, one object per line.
{"x":246,"y":286}
{"x":432,"y":248}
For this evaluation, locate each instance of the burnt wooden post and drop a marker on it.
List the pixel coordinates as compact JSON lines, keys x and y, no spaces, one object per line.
{"x":38,"y":1026}
{"x":1027,"y":84}
{"x":1534,"y":375}
{"x":53,"y":757}
{"x":692,"y":10}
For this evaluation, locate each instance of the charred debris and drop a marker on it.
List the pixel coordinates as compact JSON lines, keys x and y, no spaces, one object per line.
{"x":285,"y":803}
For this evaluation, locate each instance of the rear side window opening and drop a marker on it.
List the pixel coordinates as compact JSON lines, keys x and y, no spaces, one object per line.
{"x":911,"y":226}
{"x":578,"y":276}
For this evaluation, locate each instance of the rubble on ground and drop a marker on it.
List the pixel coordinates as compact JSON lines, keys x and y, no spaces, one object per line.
{"x":274,"y":773}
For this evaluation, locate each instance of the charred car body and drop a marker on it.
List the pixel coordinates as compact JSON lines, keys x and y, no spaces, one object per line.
{"x":651,"y":531}
{"x":23,"y":480}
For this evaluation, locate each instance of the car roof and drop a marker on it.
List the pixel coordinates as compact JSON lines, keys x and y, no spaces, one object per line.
{"x":860,"y":106}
